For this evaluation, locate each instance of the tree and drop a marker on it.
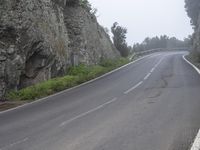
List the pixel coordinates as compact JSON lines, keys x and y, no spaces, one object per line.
{"x":161,"y":42}
{"x":119,"y":39}
{"x":193,"y":10}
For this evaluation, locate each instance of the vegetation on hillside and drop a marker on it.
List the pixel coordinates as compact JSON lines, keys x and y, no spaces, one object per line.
{"x":83,"y":3}
{"x":76,"y":75}
{"x":161,"y":42}
{"x":119,"y":39}
{"x":193,"y":10}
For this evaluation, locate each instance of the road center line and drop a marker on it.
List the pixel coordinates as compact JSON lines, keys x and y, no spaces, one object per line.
{"x":147,"y":76}
{"x":86,"y":113}
{"x":134,"y":87}
{"x":13,"y":144}
{"x":152,"y":70}
{"x":159,"y":62}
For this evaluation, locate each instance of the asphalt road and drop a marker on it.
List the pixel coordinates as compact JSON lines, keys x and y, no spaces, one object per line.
{"x":152,"y":104}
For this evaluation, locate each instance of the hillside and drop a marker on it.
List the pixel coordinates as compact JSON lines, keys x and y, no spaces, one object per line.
{"x":40,"y":39}
{"x":193,"y":10}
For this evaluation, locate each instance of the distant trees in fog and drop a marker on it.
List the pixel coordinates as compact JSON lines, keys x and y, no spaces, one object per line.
{"x":161,"y":42}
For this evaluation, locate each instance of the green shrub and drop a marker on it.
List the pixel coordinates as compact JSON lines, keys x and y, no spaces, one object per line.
{"x":79,"y":70}
{"x":114,"y":63}
{"x":76,"y":75}
{"x":43,"y":89}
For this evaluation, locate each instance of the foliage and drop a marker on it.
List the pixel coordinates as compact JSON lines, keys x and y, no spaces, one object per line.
{"x":44,"y":88}
{"x":161,"y":42}
{"x":193,"y":10}
{"x":85,"y":4}
{"x":119,"y":39}
{"x":194,"y":57}
{"x":75,"y":76}
{"x":114,"y":63}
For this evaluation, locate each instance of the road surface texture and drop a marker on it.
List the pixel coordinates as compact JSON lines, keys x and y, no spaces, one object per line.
{"x":152,"y":104}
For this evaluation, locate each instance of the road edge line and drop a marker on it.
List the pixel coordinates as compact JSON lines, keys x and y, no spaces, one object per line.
{"x":80,"y":85}
{"x":196,"y":143}
{"x":191,"y":64}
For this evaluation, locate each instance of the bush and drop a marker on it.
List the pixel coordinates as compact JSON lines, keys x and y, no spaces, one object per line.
{"x":75,"y":76}
{"x":43,"y":89}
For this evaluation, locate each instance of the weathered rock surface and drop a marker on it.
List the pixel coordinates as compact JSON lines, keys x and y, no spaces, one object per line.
{"x":88,"y":39}
{"x":39,"y":39}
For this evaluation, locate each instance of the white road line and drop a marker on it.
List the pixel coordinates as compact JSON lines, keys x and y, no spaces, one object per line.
{"x":147,"y":76}
{"x":191,"y":64}
{"x":152,"y":70}
{"x":196,"y":144}
{"x":134,"y":87}
{"x":86,"y":113}
{"x":13,"y":144}
{"x":159,"y":62}
{"x":45,"y":98}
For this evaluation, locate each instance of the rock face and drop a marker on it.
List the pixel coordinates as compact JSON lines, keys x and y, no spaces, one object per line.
{"x":39,"y":39}
{"x":88,"y":40}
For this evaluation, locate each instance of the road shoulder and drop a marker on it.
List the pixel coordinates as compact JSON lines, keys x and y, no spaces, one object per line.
{"x":196,"y":144}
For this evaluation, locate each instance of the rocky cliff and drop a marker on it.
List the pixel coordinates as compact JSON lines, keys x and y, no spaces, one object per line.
{"x":39,"y":39}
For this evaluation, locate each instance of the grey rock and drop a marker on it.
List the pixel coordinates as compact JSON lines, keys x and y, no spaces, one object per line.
{"x":39,"y":39}
{"x":11,"y":49}
{"x":2,"y":58}
{"x":87,"y":38}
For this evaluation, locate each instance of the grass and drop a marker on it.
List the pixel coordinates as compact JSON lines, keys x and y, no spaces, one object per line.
{"x":194,"y":57}
{"x":75,"y":76}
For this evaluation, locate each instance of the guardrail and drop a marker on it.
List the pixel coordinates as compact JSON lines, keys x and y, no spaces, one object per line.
{"x":157,"y":50}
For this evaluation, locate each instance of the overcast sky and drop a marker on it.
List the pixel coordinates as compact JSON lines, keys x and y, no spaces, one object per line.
{"x":145,"y":18}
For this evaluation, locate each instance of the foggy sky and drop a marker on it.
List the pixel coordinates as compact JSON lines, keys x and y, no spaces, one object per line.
{"x":145,"y":18}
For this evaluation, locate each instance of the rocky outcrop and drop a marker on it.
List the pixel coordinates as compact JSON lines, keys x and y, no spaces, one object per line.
{"x":88,"y":40}
{"x":39,"y":39}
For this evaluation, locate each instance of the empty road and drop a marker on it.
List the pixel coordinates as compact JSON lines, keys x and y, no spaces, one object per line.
{"x":152,"y":104}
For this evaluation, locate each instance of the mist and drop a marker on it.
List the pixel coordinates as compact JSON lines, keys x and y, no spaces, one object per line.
{"x":145,"y":18}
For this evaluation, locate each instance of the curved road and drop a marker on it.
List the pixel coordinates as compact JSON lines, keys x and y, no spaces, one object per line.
{"x":152,"y":104}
